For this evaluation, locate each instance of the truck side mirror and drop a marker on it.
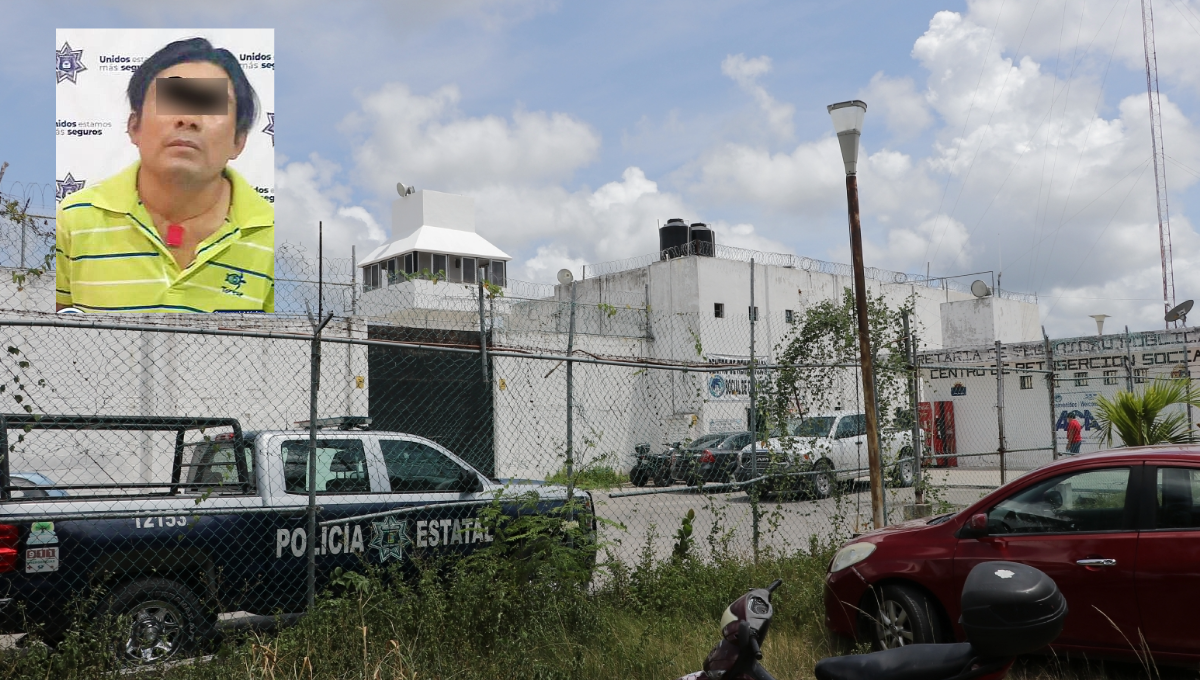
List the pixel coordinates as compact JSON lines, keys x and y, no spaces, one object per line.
{"x":468,"y":481}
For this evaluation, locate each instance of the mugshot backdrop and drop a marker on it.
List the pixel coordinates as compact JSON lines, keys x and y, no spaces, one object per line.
{"x":93,"y":67}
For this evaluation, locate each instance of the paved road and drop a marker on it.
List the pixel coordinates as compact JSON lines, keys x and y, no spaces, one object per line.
{"x":724,"y":521}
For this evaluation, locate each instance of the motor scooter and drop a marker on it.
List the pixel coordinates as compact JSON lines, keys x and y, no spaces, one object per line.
{"x":1008,"y":609}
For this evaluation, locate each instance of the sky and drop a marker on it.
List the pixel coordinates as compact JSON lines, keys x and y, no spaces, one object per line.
{"x":1006,"y":136}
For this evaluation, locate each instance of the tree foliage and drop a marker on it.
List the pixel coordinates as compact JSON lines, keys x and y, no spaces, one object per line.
{"x":1141,"y":418}
{"x":821,"y":351}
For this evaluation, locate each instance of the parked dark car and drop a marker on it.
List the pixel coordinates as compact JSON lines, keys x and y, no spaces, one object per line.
{"x":711,"y":458}
{"x":1118,"y":531}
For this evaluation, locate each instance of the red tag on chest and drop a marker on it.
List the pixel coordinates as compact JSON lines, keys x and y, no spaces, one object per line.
{"x":175,"y":235}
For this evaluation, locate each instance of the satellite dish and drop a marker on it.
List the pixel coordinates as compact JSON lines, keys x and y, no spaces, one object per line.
{"x":565,"y":276}
{"x":1180,"y":311}
{"x":403,"y":189}
{"x":980,"y":289}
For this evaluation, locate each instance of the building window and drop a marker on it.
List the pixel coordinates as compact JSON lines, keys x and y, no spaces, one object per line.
{"x":371,"y":277}
{"x":391,"y":271}
{"x":468,"y":264}
{"x":410,"y":263}
{"x":1139,"y":375}
{"x":1027,"y":382}
{"x":1081,"y":379}
{"x":789,"y":316}
{"x":1110,"y":377}
{"x":718,"y":310}
{"x":439,"y":265}
{"x":753,"y":312}
{"x":424,"y":262}
{"x":495,"y":273}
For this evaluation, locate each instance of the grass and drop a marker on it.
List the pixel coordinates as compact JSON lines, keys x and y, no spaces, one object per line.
{"x":483,"y":618}
{"x":518,"y":609}
{"x":603,"y":478}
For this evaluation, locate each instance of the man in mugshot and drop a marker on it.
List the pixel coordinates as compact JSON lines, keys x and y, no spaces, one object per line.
{"x":179,"y":230}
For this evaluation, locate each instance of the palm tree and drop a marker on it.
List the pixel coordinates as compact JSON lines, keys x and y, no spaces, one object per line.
{"x":1137,"y":418}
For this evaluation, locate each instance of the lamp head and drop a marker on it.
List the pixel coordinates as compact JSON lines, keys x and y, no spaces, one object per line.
{"x":847,"y":123}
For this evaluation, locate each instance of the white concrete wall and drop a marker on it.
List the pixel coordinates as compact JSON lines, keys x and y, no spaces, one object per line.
{"x":432,"y":208}
{"x":981,"y":321}
{"x":262,"y":382}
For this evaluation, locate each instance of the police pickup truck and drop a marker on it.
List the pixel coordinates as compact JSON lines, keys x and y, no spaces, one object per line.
{"x":224,"y":529}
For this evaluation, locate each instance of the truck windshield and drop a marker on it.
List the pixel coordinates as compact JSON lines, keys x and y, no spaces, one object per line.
{"x":215,"y":463}
{"x":817,"y":426}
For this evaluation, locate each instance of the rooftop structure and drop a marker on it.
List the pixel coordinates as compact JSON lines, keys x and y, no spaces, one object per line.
{"x":440,"y":243}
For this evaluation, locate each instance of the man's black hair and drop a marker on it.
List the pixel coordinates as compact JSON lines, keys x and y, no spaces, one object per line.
{"x":193,"y":50}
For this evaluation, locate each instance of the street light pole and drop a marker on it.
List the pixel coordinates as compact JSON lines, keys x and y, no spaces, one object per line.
{"x":847,"y":122}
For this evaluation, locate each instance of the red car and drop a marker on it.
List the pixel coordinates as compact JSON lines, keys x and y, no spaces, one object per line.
{"x":1119,"y":531}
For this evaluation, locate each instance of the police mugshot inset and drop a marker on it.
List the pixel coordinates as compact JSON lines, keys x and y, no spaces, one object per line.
{"x":164,"y":153}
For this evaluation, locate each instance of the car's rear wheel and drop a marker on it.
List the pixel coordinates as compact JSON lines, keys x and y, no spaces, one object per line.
{"x":899,"y":616}
{"x":156,"y":621}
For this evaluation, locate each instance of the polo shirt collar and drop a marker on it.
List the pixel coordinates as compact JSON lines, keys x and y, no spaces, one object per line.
{"x":247,"y":210}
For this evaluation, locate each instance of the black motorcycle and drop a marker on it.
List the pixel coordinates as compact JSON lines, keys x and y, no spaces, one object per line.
{"x":1008,"y":609}
{"x":651,"y":467}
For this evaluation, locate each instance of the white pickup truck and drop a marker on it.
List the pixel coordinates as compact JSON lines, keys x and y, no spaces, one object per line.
{"x":820,"y":450}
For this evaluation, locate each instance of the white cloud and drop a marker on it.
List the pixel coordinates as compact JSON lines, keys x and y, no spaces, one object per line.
{"x":904,"y":109}
{"x":518,"y":171}
{"x":306,"y":193}
{"x":425,"y":140}
{"x":907,"y":247}
{"x":547,"y":261}
{"x":746,"y":72}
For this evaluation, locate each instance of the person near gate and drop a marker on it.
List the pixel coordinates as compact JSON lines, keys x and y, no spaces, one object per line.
{"x":1074,"y":433}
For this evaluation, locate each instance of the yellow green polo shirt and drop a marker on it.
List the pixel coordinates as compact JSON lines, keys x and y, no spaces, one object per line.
{"x":110,"y":258}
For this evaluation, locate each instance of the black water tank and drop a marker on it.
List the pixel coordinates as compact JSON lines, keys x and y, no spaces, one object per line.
{"x":673,"y":238}
{"x":702,"y":240}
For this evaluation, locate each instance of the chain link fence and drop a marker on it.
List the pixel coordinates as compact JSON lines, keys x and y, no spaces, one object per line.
{"x":155,"y":470}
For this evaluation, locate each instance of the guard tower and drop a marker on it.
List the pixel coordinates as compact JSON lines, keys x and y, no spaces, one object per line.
{"x":440,"y":242}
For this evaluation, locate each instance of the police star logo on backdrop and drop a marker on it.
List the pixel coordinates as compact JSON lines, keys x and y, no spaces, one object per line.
{"x":390,"y":538}
{"x":68,"y":185}
{"x":270,"y":128}
{"x":69,"y":64}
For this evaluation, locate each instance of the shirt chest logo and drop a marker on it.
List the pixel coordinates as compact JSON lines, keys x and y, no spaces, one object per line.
{"x":233,"y":284}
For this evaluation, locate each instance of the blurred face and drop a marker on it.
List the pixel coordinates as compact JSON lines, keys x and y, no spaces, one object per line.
{"x":186,"y":147}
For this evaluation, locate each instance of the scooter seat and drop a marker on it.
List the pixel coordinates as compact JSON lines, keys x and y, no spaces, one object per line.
{"x":911,"y":662}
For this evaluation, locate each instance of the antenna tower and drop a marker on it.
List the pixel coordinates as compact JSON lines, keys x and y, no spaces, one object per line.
{"x":1160,"y":166}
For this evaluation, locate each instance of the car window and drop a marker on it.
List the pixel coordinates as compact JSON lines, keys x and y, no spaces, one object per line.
{"x":414,"y":467}
{"x":706,"y":440}
{"x":851,"y":426}
{"x":1178,"y":499}
{"x":817,"y":426}
{"x":216,"y":463}
{"x":341,"y":466}
{"x":736,"y":442}
{"x":1092,"y":500}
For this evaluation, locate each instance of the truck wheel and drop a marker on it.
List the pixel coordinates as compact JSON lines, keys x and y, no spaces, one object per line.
{"x":823,"y":481}
{"x":157,"y":621}
{"x":899,"y":616}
